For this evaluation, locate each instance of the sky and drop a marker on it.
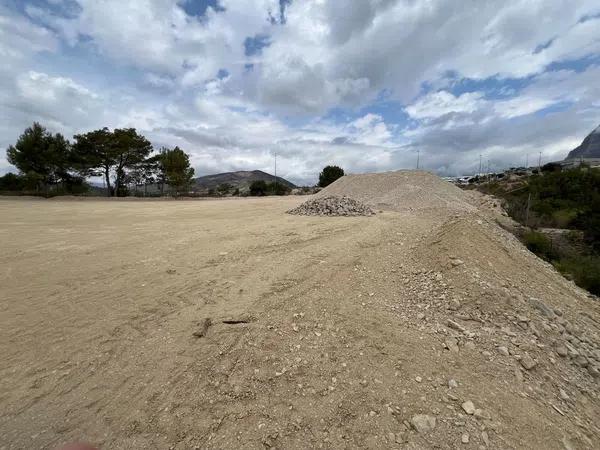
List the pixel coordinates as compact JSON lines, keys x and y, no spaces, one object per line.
{"x":368,"y":85}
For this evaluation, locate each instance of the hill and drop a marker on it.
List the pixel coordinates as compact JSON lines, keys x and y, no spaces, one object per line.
{"x":240,"y":179}
{"x":589,"y":148}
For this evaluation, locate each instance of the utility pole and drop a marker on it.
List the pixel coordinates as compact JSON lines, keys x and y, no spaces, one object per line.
{"x":479,"y":166}
{"x":527,"y":212}
{"x":418,"y":158}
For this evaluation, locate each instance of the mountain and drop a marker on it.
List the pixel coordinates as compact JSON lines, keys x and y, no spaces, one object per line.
{"x":241,"y":179}
{"x":589,"y":148}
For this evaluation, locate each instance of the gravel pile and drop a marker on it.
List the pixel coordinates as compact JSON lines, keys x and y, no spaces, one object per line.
{"x":332,"y":206}
{"x":403,"y":190}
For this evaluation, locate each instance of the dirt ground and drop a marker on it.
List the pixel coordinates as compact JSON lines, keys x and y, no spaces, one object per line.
{"x":346,"y":329}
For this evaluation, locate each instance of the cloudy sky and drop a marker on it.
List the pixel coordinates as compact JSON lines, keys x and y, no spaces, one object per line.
{"x":360,"y":83}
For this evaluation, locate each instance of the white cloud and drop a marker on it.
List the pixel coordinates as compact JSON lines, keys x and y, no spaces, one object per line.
{"x":437,"y":104}
{"x":161,"y":69}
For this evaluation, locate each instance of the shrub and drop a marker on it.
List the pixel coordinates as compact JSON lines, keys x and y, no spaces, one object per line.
{"x":258,"y":188}
{"x":329,"y":175}
{"x":539,"y":244}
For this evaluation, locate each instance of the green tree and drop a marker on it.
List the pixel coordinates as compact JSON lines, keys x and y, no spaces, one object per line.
{"x":258,"y":188}
{"x":175,"y":165}
{"x":12,"y":182}
{"x":105,"y":153}
{"x":223,"y":189}
{"x":329,"y":175}
{"x":45,"y":159}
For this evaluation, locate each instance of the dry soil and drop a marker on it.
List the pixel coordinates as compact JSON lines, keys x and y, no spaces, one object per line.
{"x":230,"y":324}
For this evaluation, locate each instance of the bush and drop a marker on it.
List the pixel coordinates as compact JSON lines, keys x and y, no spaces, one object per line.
{"x":329,"y":175}
{"x":585,"y":271}
{"x":539,"y":244}
{"x":258,"y":188}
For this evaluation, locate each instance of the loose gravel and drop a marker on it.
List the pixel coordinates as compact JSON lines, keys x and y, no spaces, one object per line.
{"x":332,"y":206}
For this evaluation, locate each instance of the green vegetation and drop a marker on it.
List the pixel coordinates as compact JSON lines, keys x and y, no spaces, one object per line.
{"x":50,"y":165}
{"x":260,"y":188}
{"x":556,"y":198}
{"x":329,"y":175}
{"x":45,"y":162}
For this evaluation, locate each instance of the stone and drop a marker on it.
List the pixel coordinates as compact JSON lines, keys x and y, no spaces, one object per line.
{"x":542,"y":307}
{"x":582,"y":361}
{"x":455,"y":326}
{"x":418,"y":379}
{"x":503,"y":351}
{"x":528,"y":362}
{"x":465,"y":438}
{"x":594,"y":371}
{"x":452,"y":384}
{"x":423,"y":423}
{"x":562,"y":351}
{"x":468,"y":407}
{"x":454,"y":305}
{"x":451,"y":344}
{"x":470,"y":345}
{"x":485,"y":438}
{"x":456,"y":262}
{"x":332,"y":206}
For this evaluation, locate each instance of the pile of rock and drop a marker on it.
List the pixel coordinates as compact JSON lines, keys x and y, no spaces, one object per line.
{"x":332,"y":206}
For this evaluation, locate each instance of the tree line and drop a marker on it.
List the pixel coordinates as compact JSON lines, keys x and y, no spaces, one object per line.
{"x":50,"y":163}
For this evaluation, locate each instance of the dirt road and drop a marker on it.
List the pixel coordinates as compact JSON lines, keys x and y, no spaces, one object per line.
{"x":340,"y":333}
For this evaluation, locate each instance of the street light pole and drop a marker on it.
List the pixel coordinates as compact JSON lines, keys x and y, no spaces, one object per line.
{"x":275,"y":173}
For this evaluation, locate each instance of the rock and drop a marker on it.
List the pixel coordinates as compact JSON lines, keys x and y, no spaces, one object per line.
{"x":451,"y":344}
{"x":564,"y":395}
{"x":562,"y":351}
{"x":456,"y":262}
{"x":582,"y":361}
{"x":455,"y":326}
{"x":470,"y":345}
{"x":481,"y":414}
{"x":594,"y":371}
{"x":468,"y":407}
{"x":391,"y":437}
{"x":452,"y":384}
{"x":503,"y":351}
{"x":528,"y":362}
{"x":465,"y":438}
{"x":485,"y":438}
{"x":542,"y":307}
{"x":454,"y":305}
{"x":332,"y":206}
{"x":486,"y":353}
{"x":418,"y":379}
{"x":423,"y":423}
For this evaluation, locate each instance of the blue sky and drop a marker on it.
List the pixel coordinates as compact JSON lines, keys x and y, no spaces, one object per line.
{"x":364,"y":85}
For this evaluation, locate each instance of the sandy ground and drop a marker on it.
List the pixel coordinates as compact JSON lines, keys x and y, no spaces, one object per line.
{"x":344,"y":340}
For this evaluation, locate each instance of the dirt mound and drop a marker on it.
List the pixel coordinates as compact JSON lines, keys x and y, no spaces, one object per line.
{"x":401,"y":190}
{"x":332,"y":206}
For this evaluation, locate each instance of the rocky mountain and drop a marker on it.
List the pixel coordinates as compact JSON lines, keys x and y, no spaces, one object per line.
{"x":241,"y":179}
{"x":589,"y":148}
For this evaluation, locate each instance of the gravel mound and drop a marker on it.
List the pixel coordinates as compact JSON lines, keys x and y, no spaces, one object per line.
{"x":332,"y":206}
{"x":400,"y":191}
